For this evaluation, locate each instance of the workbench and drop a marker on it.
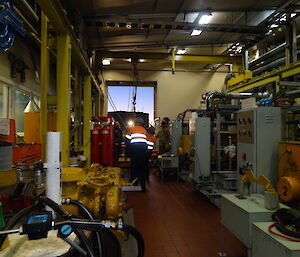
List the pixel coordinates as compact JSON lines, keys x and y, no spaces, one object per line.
{"x":266,"y":244}
{"x":238,"y":215}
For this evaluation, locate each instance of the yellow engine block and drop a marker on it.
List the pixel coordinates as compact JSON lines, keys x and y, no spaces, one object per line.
{"x":98,"y":188}
{"x":289,"y":171}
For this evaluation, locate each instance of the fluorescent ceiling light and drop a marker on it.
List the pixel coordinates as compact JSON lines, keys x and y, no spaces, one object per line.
{"x":181,"y":51}
{"x":293,"y":15}
{"x":205,"y":19}
{"x":274,"y":26}
{"x":106,"y":62}
{"x":196,"y":32}
{"x":129,"y":60}
{"x":130,"y":123}
{"x":142,"y":60}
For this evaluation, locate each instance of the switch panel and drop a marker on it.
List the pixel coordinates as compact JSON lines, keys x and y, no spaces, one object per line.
{"x":245,"y":127}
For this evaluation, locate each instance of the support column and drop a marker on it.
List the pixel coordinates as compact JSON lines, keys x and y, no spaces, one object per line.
{"x":87,"y":112}
{"x":173,"y":60}
{"x":77,"y":108}
{"x":63,"y":66}
{"x":44,"y":75}
{"x":291,"y":42}
{"x":97,"y":104}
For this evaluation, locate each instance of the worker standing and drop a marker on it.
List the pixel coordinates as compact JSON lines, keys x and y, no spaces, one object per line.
{"x":151,"y":143}
{"x":138,"y":151}
{"x":164,"y":136}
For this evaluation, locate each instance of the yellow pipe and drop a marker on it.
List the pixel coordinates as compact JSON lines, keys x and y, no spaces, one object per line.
{"x":44,"y":82}
{"x":173,"y":60}
{"x":87,"y":113}
{"x":63,"y":66}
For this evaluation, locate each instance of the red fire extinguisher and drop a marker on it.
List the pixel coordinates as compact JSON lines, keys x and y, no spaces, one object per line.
{"x":103,"y":140}
{"x":95,"y":147}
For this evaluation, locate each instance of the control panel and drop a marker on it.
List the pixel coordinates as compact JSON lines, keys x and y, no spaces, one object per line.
{"x":245,"y":127}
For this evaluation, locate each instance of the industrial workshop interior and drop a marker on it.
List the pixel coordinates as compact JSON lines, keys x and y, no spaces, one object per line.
{"x":149,"y":128}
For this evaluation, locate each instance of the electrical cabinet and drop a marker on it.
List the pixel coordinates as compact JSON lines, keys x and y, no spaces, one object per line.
{"x":258,"y":132}
{"x":176,"y":135}
{"x":200,"y":140}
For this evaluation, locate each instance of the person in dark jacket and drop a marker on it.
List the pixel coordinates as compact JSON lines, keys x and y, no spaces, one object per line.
{"x":138,"y":143}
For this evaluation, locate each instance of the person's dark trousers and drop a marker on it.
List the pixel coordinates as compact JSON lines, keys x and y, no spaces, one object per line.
{"x":139,"y":162}
{"x":117,"y":153}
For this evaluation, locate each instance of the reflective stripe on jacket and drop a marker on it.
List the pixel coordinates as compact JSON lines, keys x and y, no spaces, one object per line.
{"x":138,"y":134}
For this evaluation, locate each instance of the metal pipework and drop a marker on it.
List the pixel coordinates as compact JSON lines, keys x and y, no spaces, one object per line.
{"x":29,"y":10}
{"x":218,"y":94}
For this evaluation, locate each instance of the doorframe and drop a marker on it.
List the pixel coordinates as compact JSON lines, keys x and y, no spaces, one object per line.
{"x":125,"y":83}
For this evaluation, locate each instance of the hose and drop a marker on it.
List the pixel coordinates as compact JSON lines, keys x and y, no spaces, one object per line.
{"x":53,"y":205}
{"x":138,"y":237}
{"x":15,"y":219}
{"x":87,"y":215}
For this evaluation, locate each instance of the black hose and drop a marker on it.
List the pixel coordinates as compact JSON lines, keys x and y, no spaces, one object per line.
{"x":53,"y":205}
{"x":138,"y":237}
{"x":15,"y":219}
{"x":84,"y":240}
{"x":88,"y":215}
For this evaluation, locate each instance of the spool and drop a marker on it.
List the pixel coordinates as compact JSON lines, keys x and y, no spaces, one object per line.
{"x":289,"y":189}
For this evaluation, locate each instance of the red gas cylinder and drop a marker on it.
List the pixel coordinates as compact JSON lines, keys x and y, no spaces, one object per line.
{"x":103,"y":133}
{"x":95,"y":147}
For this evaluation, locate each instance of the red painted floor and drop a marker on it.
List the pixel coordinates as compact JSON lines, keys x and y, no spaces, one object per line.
{"x":176,"y":220}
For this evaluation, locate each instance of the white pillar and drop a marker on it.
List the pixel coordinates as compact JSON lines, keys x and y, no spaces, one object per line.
{"x":53,"y":166}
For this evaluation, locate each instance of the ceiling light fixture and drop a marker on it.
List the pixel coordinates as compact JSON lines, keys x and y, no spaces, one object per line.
{"x":105,"y":62}
{"x":205,"y":19}
{"x":142,"y":60}
{"x":196,"y":32}
{"x":181,"y":51}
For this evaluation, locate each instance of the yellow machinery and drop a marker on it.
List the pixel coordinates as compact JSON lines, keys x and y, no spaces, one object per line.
{"x":185,"y":145}
{"x":98,"y":188}
{"x":289,"y":171}
{"x":7,"y":178}
{"x":271,"y":196}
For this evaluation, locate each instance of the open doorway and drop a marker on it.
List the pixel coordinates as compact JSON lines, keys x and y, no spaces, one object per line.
{"x":121,"y":97}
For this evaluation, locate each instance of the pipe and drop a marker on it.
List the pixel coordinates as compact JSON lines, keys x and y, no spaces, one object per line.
{"x":272,"y":52}
{"x":218,"y":94}
{"x":53,"y":166}
{"x":27,"y":23}
{"x":274,"y":64}
{"x":87,"y":215}
{"x":29,"y":10}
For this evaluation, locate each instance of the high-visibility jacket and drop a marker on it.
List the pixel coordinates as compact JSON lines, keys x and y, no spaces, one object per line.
{"x":151,"y":141}
{"x":138,"y":134}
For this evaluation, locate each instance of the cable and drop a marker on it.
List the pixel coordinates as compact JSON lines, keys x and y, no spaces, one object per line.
{"x":53,"y":205}
{"x":87,"y":215}
{"x":281,"y":235}
{"x":138,"y":237}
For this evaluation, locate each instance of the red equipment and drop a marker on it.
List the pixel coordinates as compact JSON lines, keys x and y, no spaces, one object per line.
{"x":102,"y":141}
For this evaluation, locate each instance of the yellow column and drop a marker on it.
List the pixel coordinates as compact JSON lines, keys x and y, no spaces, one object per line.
{"x":76,"y":108}
{"x":44,"y":75}
{"x":87,"y":113}
{"x":97,"y":104}
{"x":173,"y":60}
{"x":63,"y":66}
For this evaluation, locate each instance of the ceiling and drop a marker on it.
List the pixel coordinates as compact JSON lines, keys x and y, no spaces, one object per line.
{"x":159,"y":25}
